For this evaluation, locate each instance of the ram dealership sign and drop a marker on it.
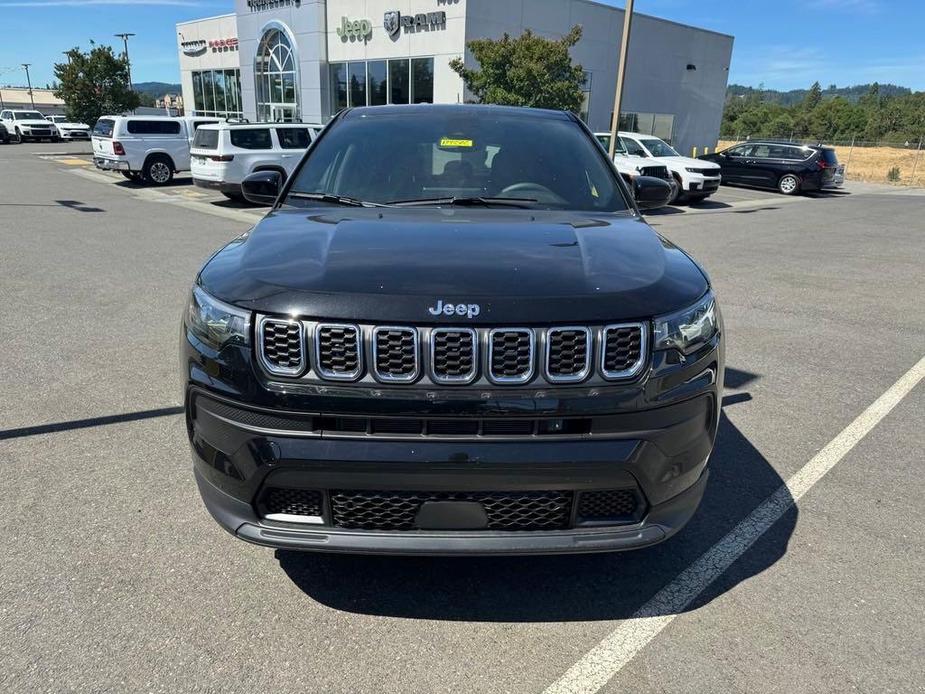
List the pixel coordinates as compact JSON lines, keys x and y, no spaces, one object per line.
{"x":393,"y":21}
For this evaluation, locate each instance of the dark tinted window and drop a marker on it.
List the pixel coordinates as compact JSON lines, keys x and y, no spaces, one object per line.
{"x":197,"y":123}
{"x":339,"y":85}
{"x":293,"y":138}
{"x":251,"y":138}
{"x":422,"y":81}
{"x":206,"y":138}
{"x":399,"y":90}
{"x":464,"y":153}
{"x":632,"y":147}
{"x":153,"y":127}
{"x":103,"y":127}
{"x":828,"y":155}
{"x":378,"y":85}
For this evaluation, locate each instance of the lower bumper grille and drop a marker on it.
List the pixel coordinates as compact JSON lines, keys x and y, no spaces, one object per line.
{"x":352,"y":509}
{"x":382,"y":510}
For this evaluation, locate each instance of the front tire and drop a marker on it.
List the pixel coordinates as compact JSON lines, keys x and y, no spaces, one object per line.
{"x":158,"y":170}
{"x":788,"y":184}
{"x":678,"y":192}
{"x":18,"y":136}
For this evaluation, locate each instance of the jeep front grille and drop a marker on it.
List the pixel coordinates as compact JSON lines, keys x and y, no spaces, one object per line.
{"x":453,"y":355}
{"x":282,"y":346}
{"x":568,"y":354}
{"x":400,"y":355}
{"x":338,"y":351}
{"x":395,"y":354}
{"x":624,"y":350}
{"x":510,"y":355}
{"x":656,"y":171}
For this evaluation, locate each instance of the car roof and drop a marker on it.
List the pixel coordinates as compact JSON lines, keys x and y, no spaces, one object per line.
{"x":461,"y":109}
{"x":260,"y":124}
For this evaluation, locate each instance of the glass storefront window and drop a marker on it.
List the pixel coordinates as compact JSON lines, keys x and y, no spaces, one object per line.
{"x":377,"y":75}
{"x":422,"y":81}
{"x":659,"y":124}
{"x":356,"y":77}
{"x":338,"y":86}
{"x":399,"y":89}
{"x":217,"y":93}
{"x":275,"y":69}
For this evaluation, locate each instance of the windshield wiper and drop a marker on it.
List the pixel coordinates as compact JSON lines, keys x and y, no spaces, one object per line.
{"x":464,"y":201}
{"x":334,"y":199}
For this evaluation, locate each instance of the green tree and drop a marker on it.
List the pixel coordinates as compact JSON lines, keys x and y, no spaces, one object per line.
{"x":525,"y":71}
{"x":813,"y":97}
{"x":93,"y":84}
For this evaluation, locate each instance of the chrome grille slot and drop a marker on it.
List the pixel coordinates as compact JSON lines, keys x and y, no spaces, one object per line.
{"x":624,"y":350}
{"x":338,"y":355}
{"x":395,"y":354}
{"x":510,"y":355}
{"x":568,"y":354}
{"x":453,"y":355}
{"x":281,"y":344}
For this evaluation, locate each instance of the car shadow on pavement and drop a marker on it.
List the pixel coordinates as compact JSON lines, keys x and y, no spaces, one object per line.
{"x":560,"y":588}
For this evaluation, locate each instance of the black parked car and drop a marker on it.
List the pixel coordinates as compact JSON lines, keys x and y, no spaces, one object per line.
{"x":453,"y":334}
{"x":789,"y":168}
{"x":4,"y":135}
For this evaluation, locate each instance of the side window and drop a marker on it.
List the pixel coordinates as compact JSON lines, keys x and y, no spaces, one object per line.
{"x":737,"y":152}
{"x":153,"y":127}
{"x":799,"y":154}
{"x":632,"y":147}
{"x":5,"y":115}
{"x":760,"y":152}
{"x":251,"y":138}
{"x":293,"y":138}
{"x":197,"y":123}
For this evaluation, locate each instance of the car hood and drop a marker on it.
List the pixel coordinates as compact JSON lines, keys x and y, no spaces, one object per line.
{"x":74,"y":126}
{"x":684,"y":161}
{"x":35,"y":122}
{"x":387,"y":265}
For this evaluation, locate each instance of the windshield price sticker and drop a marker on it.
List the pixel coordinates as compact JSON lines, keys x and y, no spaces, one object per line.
{"x":453,"y":142}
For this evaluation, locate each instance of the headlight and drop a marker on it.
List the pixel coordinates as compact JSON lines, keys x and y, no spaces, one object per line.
{"x":687,"y":330}
{"x":216,"y":323}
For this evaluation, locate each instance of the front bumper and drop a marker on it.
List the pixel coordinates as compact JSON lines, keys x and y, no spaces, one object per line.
{"x":699,"y":184}
{"x":110,"y":164}
{"x":659,"y":454}
{"x":75,"y":135}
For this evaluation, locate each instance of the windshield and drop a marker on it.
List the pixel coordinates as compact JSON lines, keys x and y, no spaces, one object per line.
{"x":605,"y":143}
{"x":28,"y":115}
{"x":445,"y":155}
{"x":658,"y":148}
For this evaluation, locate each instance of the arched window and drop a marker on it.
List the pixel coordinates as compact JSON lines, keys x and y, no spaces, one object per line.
{"x":276,"y":78}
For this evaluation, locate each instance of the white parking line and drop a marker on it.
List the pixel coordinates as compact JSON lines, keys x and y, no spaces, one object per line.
{"x":618,"y":648}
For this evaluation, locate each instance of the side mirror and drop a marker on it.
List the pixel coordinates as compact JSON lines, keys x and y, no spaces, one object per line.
{"x":650,"y":192}
{"x":262,"y":187}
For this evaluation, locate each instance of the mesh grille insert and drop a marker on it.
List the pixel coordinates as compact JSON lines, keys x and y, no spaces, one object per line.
{"x":608,"y":504}
{"x":396,"y":353}
{"x":622,"y":349}
{"x":338,"y":349}
{"x":295,"y":502}
{"x":453,"y":355}
{"x":396,"y":510}
{"x":569,"y":353}
{"x":511,"y":355}
{"x":283,"y":346}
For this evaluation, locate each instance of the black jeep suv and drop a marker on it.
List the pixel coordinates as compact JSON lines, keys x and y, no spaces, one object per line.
{"x":452,"y":334}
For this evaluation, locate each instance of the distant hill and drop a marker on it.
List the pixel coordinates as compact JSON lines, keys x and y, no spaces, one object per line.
{"x":795,"y":96}
{"x":156,"y":88}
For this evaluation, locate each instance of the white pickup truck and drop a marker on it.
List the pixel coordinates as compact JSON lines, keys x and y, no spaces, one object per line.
{"x":147,"y":149}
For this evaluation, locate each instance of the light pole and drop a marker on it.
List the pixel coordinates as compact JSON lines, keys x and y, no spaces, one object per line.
{"x":29,"y":82}
{"x":128,"y":64}
{"x":621,"y":73}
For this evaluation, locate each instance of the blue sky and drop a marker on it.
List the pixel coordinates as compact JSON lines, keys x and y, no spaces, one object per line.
{"x":784,"y":44}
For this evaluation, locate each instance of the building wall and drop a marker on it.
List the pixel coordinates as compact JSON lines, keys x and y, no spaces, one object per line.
{"x":211,"y":58}
{"x":657,"y":79}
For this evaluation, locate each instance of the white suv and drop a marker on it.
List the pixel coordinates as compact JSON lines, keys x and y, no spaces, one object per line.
{"x":148,"y":149}
{"x":68,"y":130}
{"x":630,"y":166}
{"x":223,"y":155}
{"x":697,"y":179}
{"x":28,"y":125}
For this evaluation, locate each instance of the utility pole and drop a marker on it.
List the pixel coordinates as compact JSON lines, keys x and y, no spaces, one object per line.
{"x":128,"y":64}
{"x":29,"y":82}
{"x":621,"y":73}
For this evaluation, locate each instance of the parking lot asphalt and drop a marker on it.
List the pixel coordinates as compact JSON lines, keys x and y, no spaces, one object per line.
{"x":114,"y":577}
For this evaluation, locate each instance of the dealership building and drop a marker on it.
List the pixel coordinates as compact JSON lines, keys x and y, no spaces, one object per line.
{"x":305,"y":60}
